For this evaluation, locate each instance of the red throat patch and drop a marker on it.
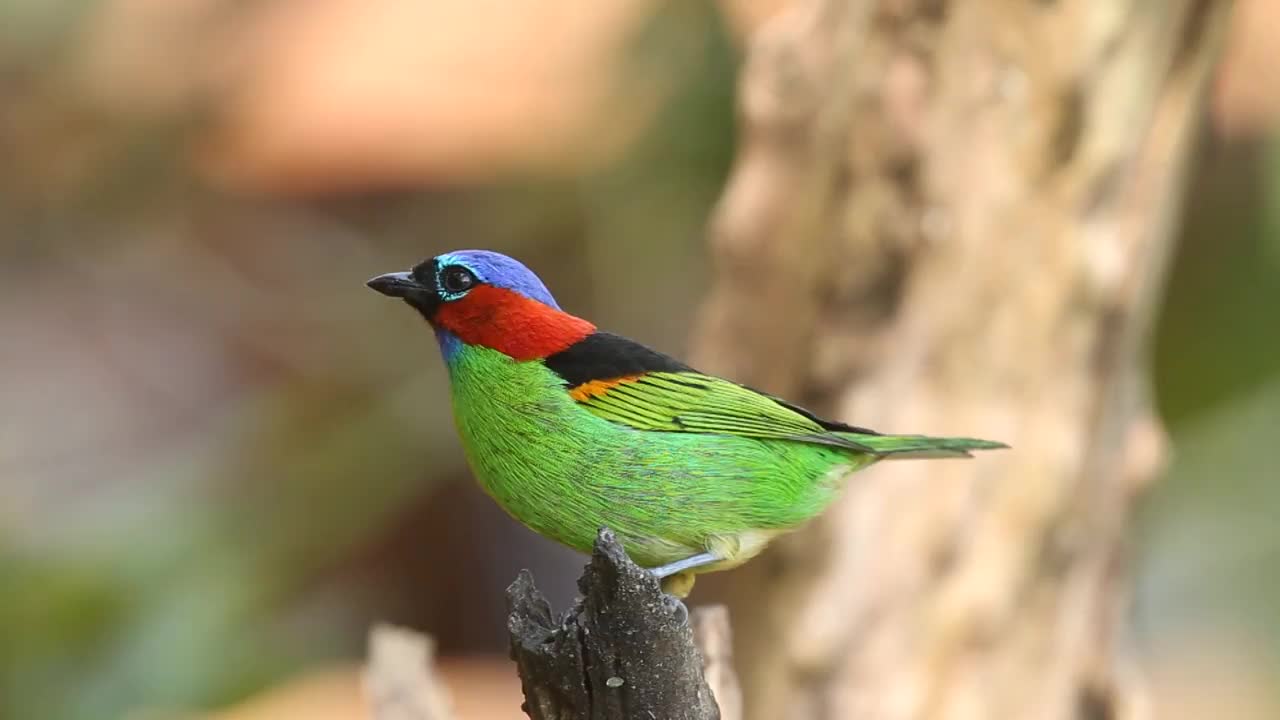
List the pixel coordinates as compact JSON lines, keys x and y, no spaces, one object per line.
{"x":511,"y":323}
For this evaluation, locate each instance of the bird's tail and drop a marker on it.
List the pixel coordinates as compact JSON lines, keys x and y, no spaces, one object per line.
{"x":913,"y":447}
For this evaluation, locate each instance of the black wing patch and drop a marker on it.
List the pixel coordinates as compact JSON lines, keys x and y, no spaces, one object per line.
{"x":605,"y":356}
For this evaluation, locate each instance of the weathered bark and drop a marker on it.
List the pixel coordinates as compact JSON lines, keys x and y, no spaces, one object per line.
{"x":953,"y":218}
{"x":624,"y":651}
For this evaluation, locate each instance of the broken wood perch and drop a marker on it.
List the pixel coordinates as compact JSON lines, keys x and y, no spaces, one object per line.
{"x":624,"y":650}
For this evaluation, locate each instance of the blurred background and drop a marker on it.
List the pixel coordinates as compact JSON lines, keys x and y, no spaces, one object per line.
{"x":222,"y":457}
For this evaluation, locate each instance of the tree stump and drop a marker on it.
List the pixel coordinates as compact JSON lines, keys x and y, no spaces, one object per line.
{"x":624,"y":650}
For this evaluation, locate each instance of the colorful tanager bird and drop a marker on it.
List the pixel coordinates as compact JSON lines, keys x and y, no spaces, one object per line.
{"x":570,"y":428}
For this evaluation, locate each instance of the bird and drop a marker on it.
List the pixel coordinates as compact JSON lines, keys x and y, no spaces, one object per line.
{"x":570,"y":428}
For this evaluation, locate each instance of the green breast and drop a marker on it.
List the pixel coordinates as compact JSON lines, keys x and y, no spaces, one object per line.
{"x":563,"y":471}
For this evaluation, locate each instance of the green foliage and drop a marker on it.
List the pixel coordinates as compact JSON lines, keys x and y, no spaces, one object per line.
{"x":1210,"y":525}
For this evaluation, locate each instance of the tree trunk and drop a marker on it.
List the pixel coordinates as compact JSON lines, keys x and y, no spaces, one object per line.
{"x":953,"y":218}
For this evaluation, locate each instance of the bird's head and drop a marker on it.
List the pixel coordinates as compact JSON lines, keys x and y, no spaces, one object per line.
{"x":484,"y":298}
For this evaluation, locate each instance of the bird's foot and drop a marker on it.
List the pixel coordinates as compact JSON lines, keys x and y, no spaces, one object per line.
{"x":674,"y":589}
{"x":678,"y":608}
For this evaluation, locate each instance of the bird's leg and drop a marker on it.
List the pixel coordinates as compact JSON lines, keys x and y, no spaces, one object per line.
{"x":689,"y":563}
{"x":677,"y":578}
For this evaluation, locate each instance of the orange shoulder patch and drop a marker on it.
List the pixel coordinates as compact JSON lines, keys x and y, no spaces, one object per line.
{"x":596,"y":388}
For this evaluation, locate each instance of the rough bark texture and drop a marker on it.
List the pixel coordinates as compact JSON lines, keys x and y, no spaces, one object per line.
{"x":952,"y":218}
{"x":624,"y":651}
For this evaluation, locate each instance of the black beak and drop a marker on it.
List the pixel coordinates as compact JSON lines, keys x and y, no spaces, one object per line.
{"x":396,"y":284}
{"x":404,"y":285}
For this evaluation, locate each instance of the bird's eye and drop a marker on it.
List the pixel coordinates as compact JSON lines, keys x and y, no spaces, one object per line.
{"x":457,"y":280}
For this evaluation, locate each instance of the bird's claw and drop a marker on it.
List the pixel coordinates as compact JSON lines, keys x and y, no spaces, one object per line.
{"x":678,"y":608}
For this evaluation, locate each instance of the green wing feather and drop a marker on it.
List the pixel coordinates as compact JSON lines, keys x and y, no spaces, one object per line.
{"x":697,"y":403}
{"x":693,"y":402}
{"x":921,"y":447}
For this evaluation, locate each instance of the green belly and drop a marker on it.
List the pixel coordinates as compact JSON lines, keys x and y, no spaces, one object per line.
{"x":564,"y":472}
